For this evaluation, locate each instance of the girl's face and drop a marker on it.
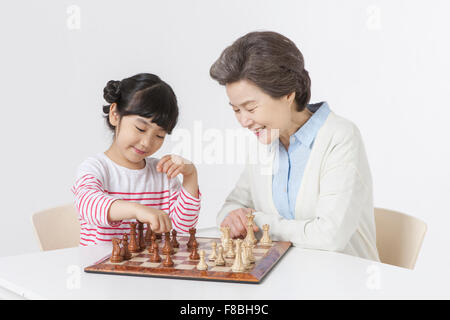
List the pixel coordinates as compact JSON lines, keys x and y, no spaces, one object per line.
{"x":135,"y":139}
{"x":255,"y":110}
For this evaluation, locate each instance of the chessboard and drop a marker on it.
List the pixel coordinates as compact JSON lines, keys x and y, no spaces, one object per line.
{"x":266,"y":257}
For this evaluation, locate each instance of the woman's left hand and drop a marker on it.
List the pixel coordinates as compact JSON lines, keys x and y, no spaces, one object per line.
{"x":173,"y":165}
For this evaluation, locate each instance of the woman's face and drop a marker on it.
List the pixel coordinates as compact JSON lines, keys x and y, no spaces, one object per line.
{"x":257,"y":111}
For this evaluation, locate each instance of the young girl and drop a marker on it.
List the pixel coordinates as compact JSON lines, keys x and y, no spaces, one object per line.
{"x":124,"y":184}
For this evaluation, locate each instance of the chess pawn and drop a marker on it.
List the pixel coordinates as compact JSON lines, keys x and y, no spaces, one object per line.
{"x":168,"y":262}
{"x":167,"y":245}
{"x":155,"y":257}
{"x":175,"y":243}
{"x":238,"y":266}
{"x":220,"y":261}
{"x":126,"y":252}
{"x":192,"y":232}
{"x":202,"y":264}
{"x":133,"y":246}
{"x":152,"y":241}
{"x":213,"y":255}
{"x":230,"y":252}
{"x":115,"y":256}
{"x":194,"y":254}
{"x":265,"y":240}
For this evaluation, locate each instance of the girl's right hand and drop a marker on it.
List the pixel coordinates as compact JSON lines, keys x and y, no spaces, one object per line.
{"x":237,"y":221}
{"x":159,"y":220}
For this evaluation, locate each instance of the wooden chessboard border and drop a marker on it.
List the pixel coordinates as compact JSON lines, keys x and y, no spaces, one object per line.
{"x":255,"y":276}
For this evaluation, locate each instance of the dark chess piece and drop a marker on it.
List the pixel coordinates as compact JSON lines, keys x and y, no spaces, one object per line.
{"x":115,"y":256}
{"x":192,"y":232}
{"x":175,"y":243}
{"x":194,"y":254}
{"x":126,"y":253}
{"x":133,"y":246}
{"x":148,"y":235}
{"x":140,"y":236}
{"x":168,"y":262}
{"x":152,"y":241}
{"x":155,"y":257}
{"x":168,"y":250}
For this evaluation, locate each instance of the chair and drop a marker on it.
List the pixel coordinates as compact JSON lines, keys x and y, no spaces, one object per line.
{"x":57,"y":228}
{"x":399,"y":237}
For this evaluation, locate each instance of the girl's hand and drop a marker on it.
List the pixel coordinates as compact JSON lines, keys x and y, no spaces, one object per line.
{"x":237,"y":221}
{"x":173,"y":165}
{"x":159,"y":220}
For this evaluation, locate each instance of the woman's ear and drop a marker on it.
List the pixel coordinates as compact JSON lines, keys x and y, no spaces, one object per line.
{"x":113,"y":115}
{"x":290,"y":97}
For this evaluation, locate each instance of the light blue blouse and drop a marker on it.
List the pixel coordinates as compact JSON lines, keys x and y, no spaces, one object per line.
{"x":290,"y":164}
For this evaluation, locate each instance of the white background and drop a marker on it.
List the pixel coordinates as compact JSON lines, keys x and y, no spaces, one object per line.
{"x":382,"y":64}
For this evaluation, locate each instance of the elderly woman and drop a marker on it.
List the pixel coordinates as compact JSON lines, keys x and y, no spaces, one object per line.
{"x":319,"y":194}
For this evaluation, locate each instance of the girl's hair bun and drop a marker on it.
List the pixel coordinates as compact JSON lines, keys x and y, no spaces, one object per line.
{"x":111,"y":92}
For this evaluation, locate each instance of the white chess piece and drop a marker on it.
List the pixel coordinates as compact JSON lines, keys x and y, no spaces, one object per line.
{"x":250,"y":238}
{"x":238,"y":266}
{"x":230,"y":252}
{"x":213,"y":255}
{"x":265,"y":240}
{"x":220,"y":261}
{"x":202,"y":264}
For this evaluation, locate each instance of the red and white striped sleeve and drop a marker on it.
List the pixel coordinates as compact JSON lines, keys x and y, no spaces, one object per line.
{"x":184,"y":208}
{"x":92,"y":202}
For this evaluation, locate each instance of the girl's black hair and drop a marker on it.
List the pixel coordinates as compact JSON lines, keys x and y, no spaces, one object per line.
{"x":145,"y":95}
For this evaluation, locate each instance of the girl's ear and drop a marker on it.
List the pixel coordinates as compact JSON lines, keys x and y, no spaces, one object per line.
{"x":113,"y":115}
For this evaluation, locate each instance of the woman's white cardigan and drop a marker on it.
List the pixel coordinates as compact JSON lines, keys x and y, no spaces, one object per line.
{"x":334,"y":206}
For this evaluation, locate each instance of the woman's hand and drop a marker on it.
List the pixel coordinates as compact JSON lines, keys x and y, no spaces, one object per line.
{"x":237,"y":221}
{"x":159,"y":220}
{"x":173,"y":165}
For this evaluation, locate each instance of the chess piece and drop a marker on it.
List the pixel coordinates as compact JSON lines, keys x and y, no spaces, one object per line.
{"x":225,"y":237}
{"x":202,"y":264}
{"x":250,"y":238}
{"x":175,"y":243}
{"x":168,"y":262}
{"x":126,"y":252}
{"x":220,"y":261}
{"x":115,"y":256}
{"x":213,"y":255}
{"x":158,"y":236}
{"x":155,"y":257}
{"x":140,"y":236}
{"x":244,"y":252}
{"x":192,"y":232}
{"x":133,"y":246}
{"x":265,"y":240}
{"x":230,"y":253}
{"x":167,"y":249}
{"x":250,"y":255}
{"x":238,"y":266}
{"x":148,"y":235}
{"x":194,"y":254}
{"x":152,"y":241}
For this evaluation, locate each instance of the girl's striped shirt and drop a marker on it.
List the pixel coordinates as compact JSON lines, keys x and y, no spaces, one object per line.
{"x":100,"y":181}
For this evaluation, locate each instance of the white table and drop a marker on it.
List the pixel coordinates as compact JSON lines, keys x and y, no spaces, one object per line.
{"x":300,"y":274}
